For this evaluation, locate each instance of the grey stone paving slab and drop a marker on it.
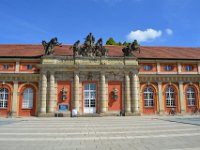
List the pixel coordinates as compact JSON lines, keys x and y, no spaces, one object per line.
{"x":149,"y":133}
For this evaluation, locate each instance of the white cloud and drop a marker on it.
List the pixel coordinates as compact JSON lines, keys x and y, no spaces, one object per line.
{"x":144,"y":36}
{"x":169,"y":31}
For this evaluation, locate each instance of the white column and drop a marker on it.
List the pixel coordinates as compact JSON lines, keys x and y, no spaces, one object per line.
{"x":43,"y":92}
{"x":158,"y":67}
{"x":181,"y":96}
{"x":14,"y":99}
{"x":52,"y":92}
{"x":160,"y":97}
{"x":199,"y":68}
{"x":127,"y":93}
{"x":135,"y":93}
{"x":103,"y":102}
{"x":76,"y":91}
{"x":17,"y":65}
{"x":179,"y":67}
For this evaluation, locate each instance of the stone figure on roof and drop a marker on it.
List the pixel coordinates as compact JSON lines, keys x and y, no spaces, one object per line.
{"x":134,"y":46}
{"x":49,"y":46}
{"x":89,"y":48}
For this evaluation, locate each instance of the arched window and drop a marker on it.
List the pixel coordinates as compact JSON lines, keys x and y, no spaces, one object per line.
{"x":3,"y":98}
{"x":170,"y":97}
{"x":191,"y":96}
{"x":27,"y":101}
{"x":148,"y":97}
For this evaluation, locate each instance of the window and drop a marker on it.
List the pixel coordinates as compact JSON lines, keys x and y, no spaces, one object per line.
{"x":170,"y":97}
{"x":188,"y":68}
{"x":29,"y":67}
{"x":27,"y":101}
{"x":168,"y":68}
{"x":3,"y":98}
{"x":191,"y":96}
{"x":147,"y":67}
{"x":5,"y":66}
{"x":148,"y":97}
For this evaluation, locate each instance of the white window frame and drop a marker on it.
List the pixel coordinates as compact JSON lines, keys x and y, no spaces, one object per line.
{"x":191,"y":98}
{"x":170,"y":97}
{"x":90,"y":98}
{"x":27,"y":100}
{"x":148,"y":97}
{"x":4,"y":97}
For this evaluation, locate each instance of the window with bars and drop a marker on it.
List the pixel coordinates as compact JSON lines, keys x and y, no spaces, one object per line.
{"x":148,"y":97}
{"x":3,"y":97}
{"x":191,"y":96}
{"x":27,"y":102}
{"x":170,"y":97}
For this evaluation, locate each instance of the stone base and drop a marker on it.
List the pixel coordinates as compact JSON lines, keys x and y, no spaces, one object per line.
{"x":55,"y":114}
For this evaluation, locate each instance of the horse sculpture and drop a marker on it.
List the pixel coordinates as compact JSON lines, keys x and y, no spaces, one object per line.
{"x":49,"y":46}
{"x":134,"y":46}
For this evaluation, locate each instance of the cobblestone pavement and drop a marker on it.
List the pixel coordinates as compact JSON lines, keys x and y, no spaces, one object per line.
{"x":103,"y":133}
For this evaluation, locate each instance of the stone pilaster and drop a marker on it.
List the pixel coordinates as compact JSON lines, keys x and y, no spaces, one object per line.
{"x":17,"y":65}
{"x":76,"y":91}
{"x":43,"y":92}
{"x":127,"y":93}
{"x":160,"y":97}
{"x":103,"y":101}
{"x":179,"y":68}
{"x":14,"y":99}
{"x":158,"y":67}
{"x":181,"y":97}
{"x":52,"y":98}
{"x":199,"y":68}
{"x":135,"y":93}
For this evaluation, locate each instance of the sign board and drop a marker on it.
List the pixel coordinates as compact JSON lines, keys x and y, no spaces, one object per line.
{"x":63,"y":107}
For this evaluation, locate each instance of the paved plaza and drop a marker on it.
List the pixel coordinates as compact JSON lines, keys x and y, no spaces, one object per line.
{"x":103,"y":133}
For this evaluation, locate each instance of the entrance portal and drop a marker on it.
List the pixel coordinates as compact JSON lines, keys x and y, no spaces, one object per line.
{"x":90,"y":98}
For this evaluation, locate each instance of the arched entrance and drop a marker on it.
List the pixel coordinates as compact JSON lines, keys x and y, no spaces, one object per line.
{"x":4,"y":101}
{"x":27,"y":101}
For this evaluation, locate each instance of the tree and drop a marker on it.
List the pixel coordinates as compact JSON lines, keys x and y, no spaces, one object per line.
{"x":110,"y":41}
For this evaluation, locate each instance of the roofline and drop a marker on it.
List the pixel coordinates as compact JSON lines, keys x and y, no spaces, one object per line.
{"x":21,"y":56}
{"x":165,"y":59}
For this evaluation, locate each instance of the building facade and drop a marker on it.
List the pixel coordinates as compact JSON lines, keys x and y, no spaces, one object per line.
{"x":155,"y":80}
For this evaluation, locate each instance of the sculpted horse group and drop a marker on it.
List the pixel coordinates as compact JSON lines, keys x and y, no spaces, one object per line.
{"x":89,"y":47}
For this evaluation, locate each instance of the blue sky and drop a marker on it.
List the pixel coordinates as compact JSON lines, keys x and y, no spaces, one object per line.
{"x":151,"y":22}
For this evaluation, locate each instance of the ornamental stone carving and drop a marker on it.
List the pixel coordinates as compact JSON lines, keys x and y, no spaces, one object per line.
{"x":89,"y":47}
{"x":49,"y":46}
{"x":134,"y":46}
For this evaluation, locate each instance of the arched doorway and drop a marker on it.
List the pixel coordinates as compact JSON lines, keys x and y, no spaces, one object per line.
{"x":4,"y":101}
{"x":149,"y":100}
{"x":27,"y":101}
{"x":171,"y":99}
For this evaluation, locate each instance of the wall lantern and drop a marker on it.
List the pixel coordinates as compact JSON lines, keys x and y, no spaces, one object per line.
{"x":115,"y":93}
{"x":63,"y":94}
